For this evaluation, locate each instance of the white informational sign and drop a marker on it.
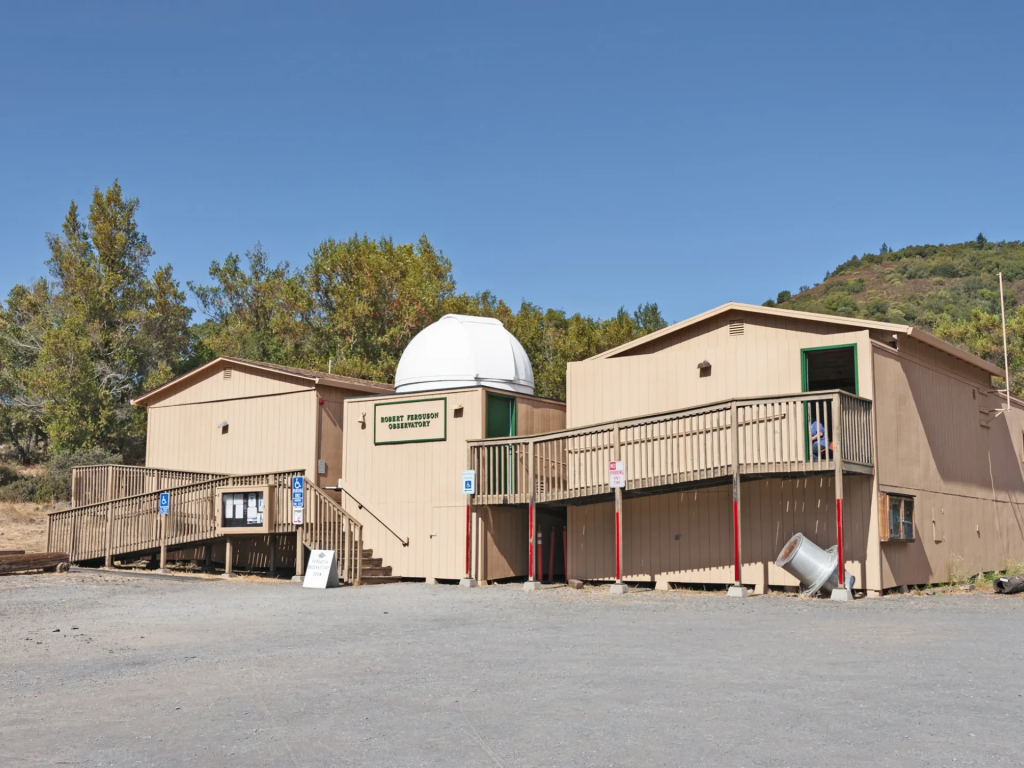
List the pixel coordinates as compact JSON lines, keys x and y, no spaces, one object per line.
{"x":165,"y":503}
{"x":251,"y":514}
{"x":469,"y":481}
{"x":298,"y":499}
{"x":322,"y":569}
{"x":616,"y":474}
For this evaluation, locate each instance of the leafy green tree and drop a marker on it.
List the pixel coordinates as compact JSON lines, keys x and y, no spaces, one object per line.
{"x":368,"y":298}
{"x":982,"y":334}
{"x":98,"y":333}
{"x":256,"y":311}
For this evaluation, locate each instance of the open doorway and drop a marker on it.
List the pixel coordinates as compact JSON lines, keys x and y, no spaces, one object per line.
{"x":830,"y":368}
{"x":552,"y":543}
{"x":824,"y":369}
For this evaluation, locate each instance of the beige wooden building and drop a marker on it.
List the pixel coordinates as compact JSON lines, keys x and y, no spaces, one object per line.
{"x":738,"y":428}
{"x":234,"y":416}
{"x":930,"y":466}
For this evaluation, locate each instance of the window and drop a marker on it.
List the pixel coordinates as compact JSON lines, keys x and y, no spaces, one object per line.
{"x":896,"y":517}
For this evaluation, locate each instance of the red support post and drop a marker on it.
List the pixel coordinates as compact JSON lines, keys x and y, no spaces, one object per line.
{"x":736,"y":540}
{"x":469,"y":531}
{"x":532,"y":533}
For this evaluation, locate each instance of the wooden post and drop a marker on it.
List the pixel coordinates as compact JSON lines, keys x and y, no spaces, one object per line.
{"x":347,"y":547}
{"x":110,"y":482}
{"x":229,"y":556}
{"x":163,"y":542}
{"x":837,"y":457}
{"x":736,"y":494}
{"x":359,"y":555}
{"x":300,"y":556}
{"x":273,"y":555}
{"x":209,"y":557}
{"x":108,"y":559}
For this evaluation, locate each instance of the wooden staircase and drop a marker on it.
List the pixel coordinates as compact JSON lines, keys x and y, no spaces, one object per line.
{"x":111,"y":524}
{"x":374,"y":571}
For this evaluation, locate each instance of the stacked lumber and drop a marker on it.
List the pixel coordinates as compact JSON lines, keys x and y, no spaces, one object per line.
{"x":33,"y":561}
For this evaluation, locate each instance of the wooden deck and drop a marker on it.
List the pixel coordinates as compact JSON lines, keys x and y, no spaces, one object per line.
{"x":125,"y":525}
{"x":767,"y":436}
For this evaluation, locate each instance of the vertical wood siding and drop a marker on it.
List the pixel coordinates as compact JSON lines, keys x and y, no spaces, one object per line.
{"x":940,"y":440}
{"x":414,"y":488}
{"x":764,"y":360}
{"x":264,"y":434}
{"x":243,"y":383}
{"x":687,"y":537}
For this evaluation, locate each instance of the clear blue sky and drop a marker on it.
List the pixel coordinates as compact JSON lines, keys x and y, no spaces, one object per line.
{"x":580,"y":155}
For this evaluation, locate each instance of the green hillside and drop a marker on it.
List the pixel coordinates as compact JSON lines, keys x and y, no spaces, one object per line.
{"x":951,"y":290}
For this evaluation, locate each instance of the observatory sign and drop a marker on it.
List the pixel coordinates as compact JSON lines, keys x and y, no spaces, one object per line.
{"x":410,"y":421}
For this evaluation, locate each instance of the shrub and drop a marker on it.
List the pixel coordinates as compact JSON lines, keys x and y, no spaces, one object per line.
{"x":8,"y":474}
{"x":23,"y":489}
{"x":55,"y":483}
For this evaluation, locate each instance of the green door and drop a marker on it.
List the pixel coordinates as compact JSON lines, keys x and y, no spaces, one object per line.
{"x":501,"y":416}
{"x":501,"y":422}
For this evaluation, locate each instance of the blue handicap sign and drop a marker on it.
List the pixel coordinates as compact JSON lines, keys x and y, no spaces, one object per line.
{"x":298,"y":491}
{"x":165,"y":503}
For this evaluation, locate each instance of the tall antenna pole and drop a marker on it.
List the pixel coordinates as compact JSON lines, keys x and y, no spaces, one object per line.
{"x":1006,"y":355}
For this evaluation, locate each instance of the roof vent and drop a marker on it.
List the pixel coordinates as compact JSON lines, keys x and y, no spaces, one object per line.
{"x":227,"y":373}
{"x":736,"y":328}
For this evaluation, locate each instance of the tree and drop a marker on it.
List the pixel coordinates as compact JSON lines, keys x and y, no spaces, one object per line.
{"x":100,"y":332}
{"x":981,"y":240}
{"x":982,"y":334}
{"x":368,"y":298}
{"x":257,"y":312}
{"x":783,"y":297}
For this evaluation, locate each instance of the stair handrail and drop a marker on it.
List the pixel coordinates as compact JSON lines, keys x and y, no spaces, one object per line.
{"x":342,"y":488}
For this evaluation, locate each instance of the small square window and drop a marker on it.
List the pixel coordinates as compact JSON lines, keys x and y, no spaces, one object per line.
{"x":896,"y":517}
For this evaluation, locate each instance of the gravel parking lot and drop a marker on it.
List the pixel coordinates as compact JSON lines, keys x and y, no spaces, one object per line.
{"x":101,"y":669}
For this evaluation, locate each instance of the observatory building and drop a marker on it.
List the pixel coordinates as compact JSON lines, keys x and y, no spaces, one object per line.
{"x":688,"y":456}
{"x":462,"y":378}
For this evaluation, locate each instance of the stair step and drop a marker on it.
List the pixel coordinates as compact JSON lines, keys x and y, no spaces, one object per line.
{"x":368,"y":580}
{"x":372,"y":562}
{"x":377,"y":571}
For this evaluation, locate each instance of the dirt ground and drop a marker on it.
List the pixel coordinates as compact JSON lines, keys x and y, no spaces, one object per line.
{"x":106,"y":669}
{"x":23,"y":526}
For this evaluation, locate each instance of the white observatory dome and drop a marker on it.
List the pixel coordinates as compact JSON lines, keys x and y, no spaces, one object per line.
{"x":464,"y":351}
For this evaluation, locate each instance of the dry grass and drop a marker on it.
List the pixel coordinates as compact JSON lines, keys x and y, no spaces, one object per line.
{"x":23,"y":526}
{"x":956,"y":572}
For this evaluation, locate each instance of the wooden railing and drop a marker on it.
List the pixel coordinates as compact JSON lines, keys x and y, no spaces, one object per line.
{"x":328,"y":526}
{"x":787,"y":435}
{"x":133,"y":524}
{"x":103,"y":482}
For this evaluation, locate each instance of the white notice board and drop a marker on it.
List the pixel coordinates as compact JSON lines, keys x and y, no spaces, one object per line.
{"x":322,"y":569}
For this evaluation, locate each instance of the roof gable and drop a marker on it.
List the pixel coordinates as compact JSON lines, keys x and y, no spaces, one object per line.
{"x":286,"y":378}
{"x":812,"y":317}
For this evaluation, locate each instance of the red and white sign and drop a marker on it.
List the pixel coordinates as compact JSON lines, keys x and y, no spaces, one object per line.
{"x":616,"y":474}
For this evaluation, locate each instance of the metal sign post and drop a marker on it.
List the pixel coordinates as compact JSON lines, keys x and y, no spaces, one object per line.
{"x":468,"y":489}
{"x":298,"y":500}
{"x":617,"y":481}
